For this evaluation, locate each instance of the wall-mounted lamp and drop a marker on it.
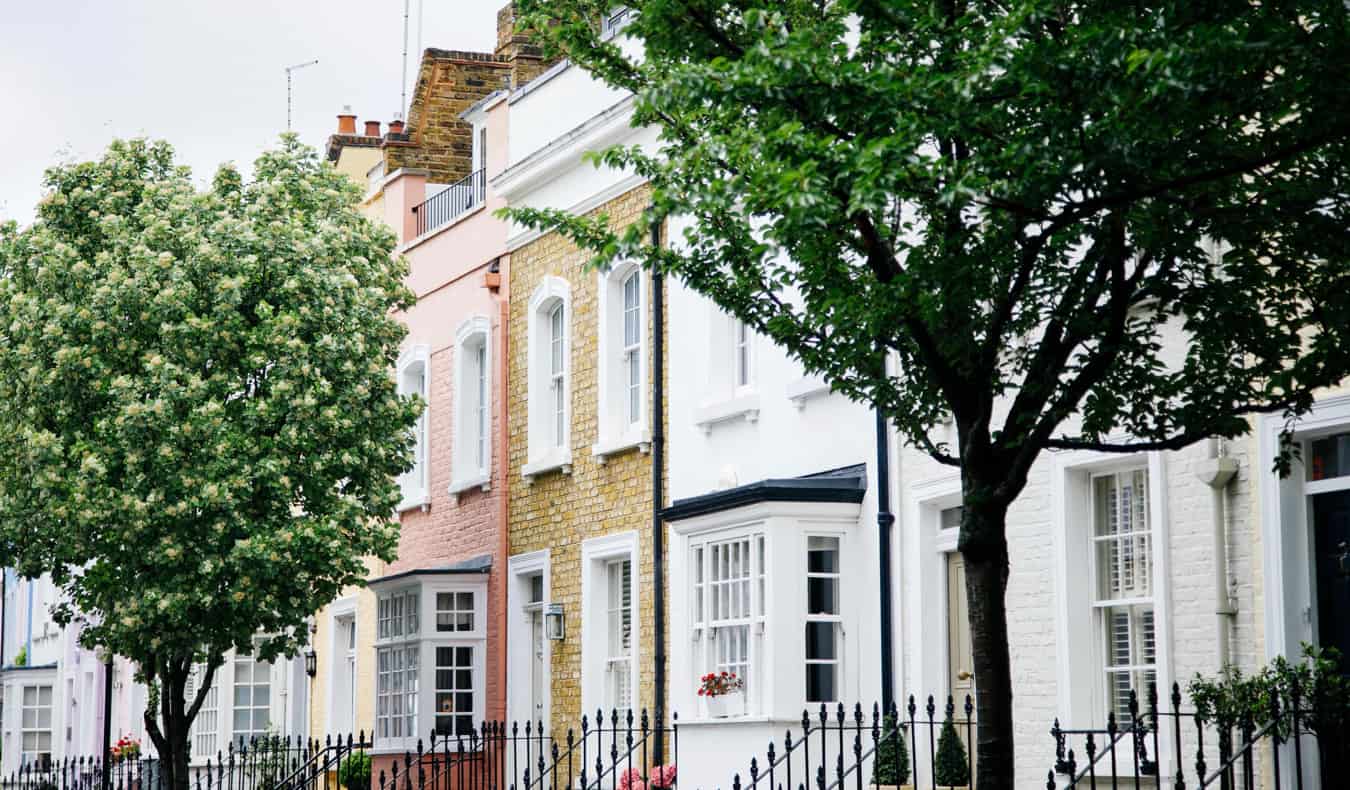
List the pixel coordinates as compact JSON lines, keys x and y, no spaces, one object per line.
{"x":311,"y":662}
{"x":555,"y":626}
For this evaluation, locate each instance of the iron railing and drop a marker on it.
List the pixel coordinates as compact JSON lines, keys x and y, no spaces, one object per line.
{"x":1205,"y":753}
{"x":263,"y":763}
{"x":452,"y":202}
{"x":841,"y":750}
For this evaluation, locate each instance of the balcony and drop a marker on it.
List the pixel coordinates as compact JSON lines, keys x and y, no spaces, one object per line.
{"x":451,"y":203}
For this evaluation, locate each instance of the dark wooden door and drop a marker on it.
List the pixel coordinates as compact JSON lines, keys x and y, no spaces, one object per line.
{"x":1331,"y":543}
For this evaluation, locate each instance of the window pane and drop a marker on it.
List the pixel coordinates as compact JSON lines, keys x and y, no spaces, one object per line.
{"x":1330,"y":457}
{"x":950,"y":518}
{"x":822,"y":555}
{"x":820,"y":641}
{"x":822,"y":682}
{"x":822,"y":596}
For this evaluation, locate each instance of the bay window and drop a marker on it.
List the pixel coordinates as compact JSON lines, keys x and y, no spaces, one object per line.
{"x":36,"y":724}
{"x":729,"y":610}
{"x":252,"y":698}
{"x":823,"y":619}
{"x":430,"y":639}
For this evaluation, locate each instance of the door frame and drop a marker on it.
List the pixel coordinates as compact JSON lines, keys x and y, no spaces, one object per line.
{"x":518,"y":642}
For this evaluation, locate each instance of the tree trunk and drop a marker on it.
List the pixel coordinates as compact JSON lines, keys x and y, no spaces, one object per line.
{"x":984,"y":548}
{"x":169,"y":730}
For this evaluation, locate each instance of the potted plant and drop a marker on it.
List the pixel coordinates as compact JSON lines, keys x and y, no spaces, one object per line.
{"x":126,"y":748}
{"x":891,"y":769}
{"x":951,"y":769}
{"x":722,"y":690}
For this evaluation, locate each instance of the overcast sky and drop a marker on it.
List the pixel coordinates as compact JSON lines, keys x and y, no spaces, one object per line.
{"x":208,"y":76}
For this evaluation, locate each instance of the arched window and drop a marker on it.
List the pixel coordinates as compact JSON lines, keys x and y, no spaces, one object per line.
{"x":414,"y":379}
{"x":471,"y":462}
{"x":622,"y":363}
{"x":550,"y":381}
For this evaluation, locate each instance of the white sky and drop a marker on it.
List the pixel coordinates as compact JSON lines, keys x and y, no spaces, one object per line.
{"x":206,"y":75}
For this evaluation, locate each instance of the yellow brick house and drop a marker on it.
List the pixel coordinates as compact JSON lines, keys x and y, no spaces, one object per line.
{"x":581,"y":628}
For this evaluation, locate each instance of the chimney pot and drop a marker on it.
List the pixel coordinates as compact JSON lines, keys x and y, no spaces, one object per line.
{"x":396,"y":127}
{"x":346,"y":121}
{"x":372,"y":128}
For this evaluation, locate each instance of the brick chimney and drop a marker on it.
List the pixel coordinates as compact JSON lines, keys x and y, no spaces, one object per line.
{"x":372,"y":128}
{"x":515,"y":47}
{"x":346,"y":121}
{"x":396,"y":126}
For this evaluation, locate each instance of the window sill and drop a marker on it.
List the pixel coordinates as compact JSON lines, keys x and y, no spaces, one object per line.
{"x":608,"y":446}
{"x":483,"y":480}
{"x":414,"y":500}
{"x":732,"y":720}
{"x":560,"y":460}
{"x":806,"y":388}
{"x":744,"y":407}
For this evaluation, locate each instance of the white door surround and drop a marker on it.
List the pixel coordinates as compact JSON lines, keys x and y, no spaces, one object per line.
{"x":521,"y":638}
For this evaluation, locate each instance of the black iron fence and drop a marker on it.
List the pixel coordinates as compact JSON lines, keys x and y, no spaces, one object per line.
{"x":452,"y":202}
{"x":1273,"y":744}
{"x":924,"y":746}
{"x":262,"y":763}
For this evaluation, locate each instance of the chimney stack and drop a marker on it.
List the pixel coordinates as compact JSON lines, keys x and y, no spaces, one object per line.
{"x":372,"y":128}
{"x":346,"y":120}
{"x":396,"y":126}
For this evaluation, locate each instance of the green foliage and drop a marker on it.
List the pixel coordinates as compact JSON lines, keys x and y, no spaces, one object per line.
{"x":21,"y":657}
{"x":951,"y":767}
{"x":892,"y":757}
{"x":1063,"y":222}
{"x":1317,"y":683}
{"x":196,"y":406}
{"x":354,"y":771}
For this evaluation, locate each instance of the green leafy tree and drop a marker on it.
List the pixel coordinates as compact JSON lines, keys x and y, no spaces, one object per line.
{"x":199,"y":435}
{"x":1064,"y":225}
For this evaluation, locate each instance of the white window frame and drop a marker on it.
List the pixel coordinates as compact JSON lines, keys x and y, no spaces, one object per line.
{"x":618,"y":429}
{"x":545,"y":452}
{"x":596,"y":556}
{"x":707,"y":631}
{"x":1081,"y":681}
{"x":471,"y":464}
{"x":252,"y":706}
{"x":835,"y":620}
{"x":205,"y":732}
{"x":423,"y":645}
{"x":414,"y":483}
{"x":732,"y":390}
{"x":34,"y":756}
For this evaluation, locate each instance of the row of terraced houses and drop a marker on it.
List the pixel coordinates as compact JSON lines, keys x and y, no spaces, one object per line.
{"x":601,"y":446}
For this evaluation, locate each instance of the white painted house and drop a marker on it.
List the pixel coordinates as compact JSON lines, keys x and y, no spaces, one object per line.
{"x":53,"y":703}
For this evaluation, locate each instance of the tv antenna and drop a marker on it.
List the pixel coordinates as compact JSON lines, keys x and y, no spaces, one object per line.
{"x":289,"y":70}
{"x":407,"y":10}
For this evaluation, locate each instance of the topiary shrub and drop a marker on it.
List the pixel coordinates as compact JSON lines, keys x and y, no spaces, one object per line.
{"x":354,"y":771}
{"x":892,"y":758}
{"x":951,"y":768}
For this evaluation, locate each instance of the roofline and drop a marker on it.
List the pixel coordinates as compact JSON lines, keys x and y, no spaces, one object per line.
{"x":846,"y":489}
{"x":454,"y":570}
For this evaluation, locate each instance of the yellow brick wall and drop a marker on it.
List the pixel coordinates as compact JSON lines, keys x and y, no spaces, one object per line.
{"x":557,"y":512}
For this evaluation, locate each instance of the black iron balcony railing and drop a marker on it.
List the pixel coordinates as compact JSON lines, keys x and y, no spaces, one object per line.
{"x":452,"y":202}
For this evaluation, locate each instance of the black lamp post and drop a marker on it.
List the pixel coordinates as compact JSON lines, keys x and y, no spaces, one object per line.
{"x":107,"y":717}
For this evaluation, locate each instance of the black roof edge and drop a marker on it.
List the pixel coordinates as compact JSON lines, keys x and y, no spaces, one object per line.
{"x":27,"y":667}
{"x":479,"y":565}
{"x":845,"y":485}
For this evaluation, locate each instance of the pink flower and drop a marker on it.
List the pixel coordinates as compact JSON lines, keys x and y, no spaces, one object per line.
{"x":632,"y":780}
{"x":663,"y":777}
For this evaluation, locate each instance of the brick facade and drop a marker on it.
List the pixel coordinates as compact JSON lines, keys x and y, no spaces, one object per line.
{"x":448,"y":83}
{"x":559,"y":511}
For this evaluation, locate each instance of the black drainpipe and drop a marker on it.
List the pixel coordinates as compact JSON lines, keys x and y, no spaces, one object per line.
{"x":884,"y":521}
{"x":658,"y":497}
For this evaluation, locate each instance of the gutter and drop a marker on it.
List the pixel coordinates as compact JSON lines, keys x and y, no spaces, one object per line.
{"x":658,"y":497}
{"x":1217,"y":472}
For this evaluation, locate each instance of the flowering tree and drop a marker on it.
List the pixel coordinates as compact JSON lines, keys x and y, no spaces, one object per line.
{"x":199,"y":434}
{"x":1021,"y":203}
